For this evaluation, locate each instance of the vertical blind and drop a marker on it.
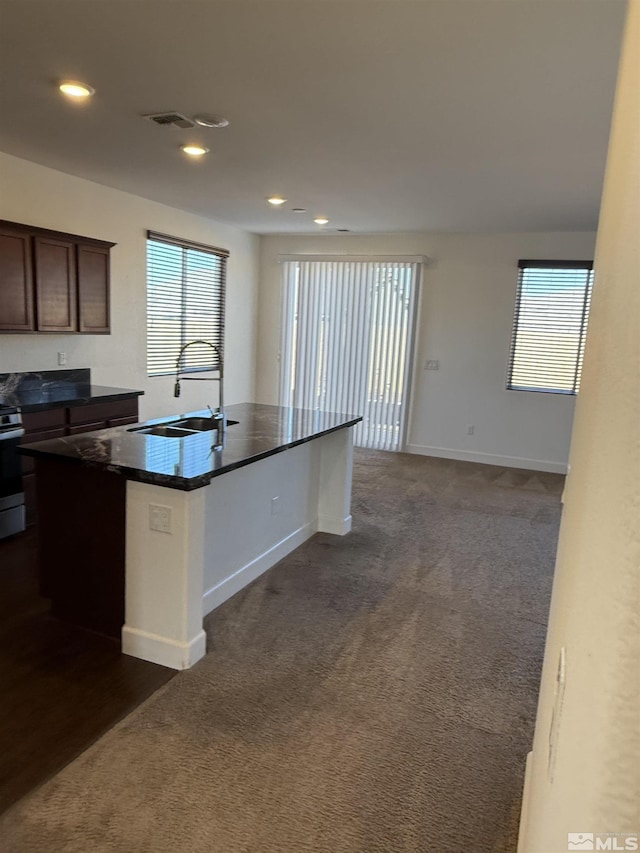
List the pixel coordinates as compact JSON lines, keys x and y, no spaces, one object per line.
{"x":550,"y":325}
{"x":347,"y":342}
{"x":185,"y":301}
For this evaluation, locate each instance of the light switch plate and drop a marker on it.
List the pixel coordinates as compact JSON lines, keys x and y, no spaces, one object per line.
{"x":160,"y":518}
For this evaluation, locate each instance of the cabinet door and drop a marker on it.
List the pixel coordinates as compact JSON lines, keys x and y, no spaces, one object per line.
{"x":16,"y":282}
{"x":90,"y":427}
{"x":43,"y":420}
{"x":93,"y":289}
{"x":56,"y":291}
{"x":116,"y":422}
{"x":107,"y":411}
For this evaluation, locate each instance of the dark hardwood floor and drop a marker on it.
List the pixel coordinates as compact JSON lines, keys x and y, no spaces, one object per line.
{"x":61,"y":687}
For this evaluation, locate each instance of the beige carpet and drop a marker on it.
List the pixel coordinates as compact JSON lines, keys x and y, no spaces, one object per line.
{"x":374,"y":692}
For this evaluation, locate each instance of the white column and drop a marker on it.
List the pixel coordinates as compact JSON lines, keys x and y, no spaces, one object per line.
{"x":164,"y":576}
{"x":584,"y":772}
{"x":336,"y":467}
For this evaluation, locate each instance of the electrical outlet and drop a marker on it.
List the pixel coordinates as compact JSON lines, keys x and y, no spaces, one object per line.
{"x":432,"y":364}
{"x":470,"y":429}
{"x":160,"y":518}
{"x":62,"y":358}
{"x":275,"y":505}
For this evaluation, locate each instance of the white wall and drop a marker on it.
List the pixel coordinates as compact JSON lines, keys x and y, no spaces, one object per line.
{"x":43,"y":197}
{"x":465,"y":323}
{"x":596,"y":597}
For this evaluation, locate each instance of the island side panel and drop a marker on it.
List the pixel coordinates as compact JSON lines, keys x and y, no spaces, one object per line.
{"x":336,"y":471}
{"x":256,"y":515}
{"x":81,"y":543}
{"x":164,"y":576}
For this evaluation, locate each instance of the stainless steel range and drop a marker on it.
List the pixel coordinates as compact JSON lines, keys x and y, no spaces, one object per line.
{"x":11,"y":493}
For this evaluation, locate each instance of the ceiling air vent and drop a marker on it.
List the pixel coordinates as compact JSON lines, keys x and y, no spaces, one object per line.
{"x":171,"y":119}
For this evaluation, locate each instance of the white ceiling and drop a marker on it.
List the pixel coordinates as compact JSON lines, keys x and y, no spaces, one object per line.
{"x":385,"y":115}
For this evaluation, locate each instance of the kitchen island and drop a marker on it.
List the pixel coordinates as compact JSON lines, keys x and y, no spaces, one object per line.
{"x":142,"y":534}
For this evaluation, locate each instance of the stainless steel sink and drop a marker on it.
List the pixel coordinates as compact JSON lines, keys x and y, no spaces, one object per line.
{"x":199,"y":424}
{"x":166,"y":431}
{"x":181,"y":428}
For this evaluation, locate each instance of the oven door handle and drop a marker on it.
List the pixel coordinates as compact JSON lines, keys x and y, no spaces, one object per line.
{"x":11,"y":433}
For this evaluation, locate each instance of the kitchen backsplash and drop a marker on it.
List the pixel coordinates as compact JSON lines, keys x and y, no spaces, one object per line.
{"x":12,"y":384}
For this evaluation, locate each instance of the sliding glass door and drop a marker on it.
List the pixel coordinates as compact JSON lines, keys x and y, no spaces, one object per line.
{"x":347,"y":342}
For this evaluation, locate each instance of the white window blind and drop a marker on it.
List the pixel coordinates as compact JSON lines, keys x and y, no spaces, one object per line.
{"x":550,"y":325}
{"x":185,"y":301}
{"x":347,"y":342}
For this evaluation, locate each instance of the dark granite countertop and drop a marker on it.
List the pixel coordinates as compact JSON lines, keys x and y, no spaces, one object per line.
{"x":189,"y":463}
{"x":52,"y":389}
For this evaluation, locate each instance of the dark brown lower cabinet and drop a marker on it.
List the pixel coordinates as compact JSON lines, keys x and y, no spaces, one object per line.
{"x":28,"y":471}
{"x":102,"y":413}
{"x":56,"y":423}
{"x":114,"y":422}
{"x":92,"y":427}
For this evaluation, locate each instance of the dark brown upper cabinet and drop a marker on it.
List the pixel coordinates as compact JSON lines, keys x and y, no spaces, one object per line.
{"x":93,"y":288}
{"x":56,"y":289}
{"x":17,"y":312}
{"x":53,"y":282}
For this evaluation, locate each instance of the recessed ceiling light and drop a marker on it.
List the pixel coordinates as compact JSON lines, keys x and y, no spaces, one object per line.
{"x":75,"y":89}
{"x":321,"y":220}
{"x":298,"y":209}
{"x":276,"y":200}
{"x":211,"y":121}
{"x":194,"y":150}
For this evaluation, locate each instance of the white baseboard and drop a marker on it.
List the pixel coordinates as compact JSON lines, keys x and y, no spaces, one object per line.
{"x":162,"y":650}
{"x":488,"y":458}
{"x":339,"y":526}
{"x":223,"y":590}
{"x":524,"y":811}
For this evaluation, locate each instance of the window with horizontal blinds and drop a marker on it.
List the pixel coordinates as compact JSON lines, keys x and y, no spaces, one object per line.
{"x":186,"y":284}
{"x":550,"y":326}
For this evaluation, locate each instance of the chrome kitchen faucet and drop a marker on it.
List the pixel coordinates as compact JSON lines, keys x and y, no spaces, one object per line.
{"x":218,"y":415}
